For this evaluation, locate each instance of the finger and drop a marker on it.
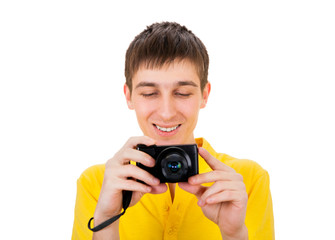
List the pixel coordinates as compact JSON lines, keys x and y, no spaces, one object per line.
{"x":197,"y":190}
{"x":132,"y":185}
{"x":132,"y":171}
{"x":129,"y":154}
{"x":134,"y":141}
{"x":214,"y":176}
{"x":161,"y":188}
{"x":221,"y":186}
{"x":214,"y":163}
{"x":228,"y":196}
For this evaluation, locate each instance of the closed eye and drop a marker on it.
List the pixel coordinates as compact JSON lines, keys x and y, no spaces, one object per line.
{"x":149,"y":94}
{"x":183,"y":94}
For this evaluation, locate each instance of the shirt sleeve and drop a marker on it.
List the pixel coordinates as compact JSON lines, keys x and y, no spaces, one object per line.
{"x":86,"y":201}
{"x":259,"y":217}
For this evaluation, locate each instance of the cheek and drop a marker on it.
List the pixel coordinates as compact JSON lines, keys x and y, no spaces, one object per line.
{"x":190,"y":109}
{"x":143,"y":110}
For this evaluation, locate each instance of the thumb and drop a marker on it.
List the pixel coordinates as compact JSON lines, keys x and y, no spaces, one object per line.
{"x":135,"y":198}
{"x":197,"y":190}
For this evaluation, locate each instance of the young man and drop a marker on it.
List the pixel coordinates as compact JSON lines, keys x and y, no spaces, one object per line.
{"x":166,"y":84}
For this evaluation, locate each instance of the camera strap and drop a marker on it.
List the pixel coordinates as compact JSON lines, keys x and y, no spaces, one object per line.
{"x":126,"y":199}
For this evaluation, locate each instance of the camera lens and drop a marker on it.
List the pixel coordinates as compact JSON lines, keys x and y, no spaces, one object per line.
{"x":174,"y":166}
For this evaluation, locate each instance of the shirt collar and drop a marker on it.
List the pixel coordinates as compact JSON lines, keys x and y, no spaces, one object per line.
{"x":203,"y":166}
{"x":202,"y":142}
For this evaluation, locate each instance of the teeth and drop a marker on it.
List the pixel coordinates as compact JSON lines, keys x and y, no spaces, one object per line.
{"x":167,"y":129}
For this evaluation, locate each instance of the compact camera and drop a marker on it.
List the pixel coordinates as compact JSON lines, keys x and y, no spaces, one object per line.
{"x":174,"y":163}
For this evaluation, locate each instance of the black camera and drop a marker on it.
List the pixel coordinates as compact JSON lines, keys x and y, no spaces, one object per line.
{"x":174,"y":163}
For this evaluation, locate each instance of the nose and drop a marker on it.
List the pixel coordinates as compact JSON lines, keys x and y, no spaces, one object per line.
{"x":167,"y":109}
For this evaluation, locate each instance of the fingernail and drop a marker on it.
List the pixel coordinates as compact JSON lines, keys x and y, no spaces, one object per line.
{"x":151,"y":162}
{"x":156,"y":181}
{"x":192,"y":180}
{"x":201,"y":203}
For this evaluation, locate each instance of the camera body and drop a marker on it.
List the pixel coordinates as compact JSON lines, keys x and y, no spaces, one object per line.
{"x":174,"y":163}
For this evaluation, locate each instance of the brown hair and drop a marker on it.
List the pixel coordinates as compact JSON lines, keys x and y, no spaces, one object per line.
{"x":162,"y":43}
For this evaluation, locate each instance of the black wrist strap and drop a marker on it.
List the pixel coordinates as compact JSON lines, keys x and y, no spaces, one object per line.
{"x":126,"y":199}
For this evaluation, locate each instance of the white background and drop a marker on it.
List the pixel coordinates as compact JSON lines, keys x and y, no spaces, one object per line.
{"x":62,"y":107}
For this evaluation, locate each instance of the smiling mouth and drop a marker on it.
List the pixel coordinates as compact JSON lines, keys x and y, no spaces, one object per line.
{"x":163,"y":129}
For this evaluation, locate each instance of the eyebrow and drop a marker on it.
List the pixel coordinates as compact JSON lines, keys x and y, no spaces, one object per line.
{"x":179,"y":84}
{"x":146,"y":84}
{"x":187,"y":83}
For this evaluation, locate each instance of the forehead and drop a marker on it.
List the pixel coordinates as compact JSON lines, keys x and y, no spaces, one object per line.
{"x":167,"y":74}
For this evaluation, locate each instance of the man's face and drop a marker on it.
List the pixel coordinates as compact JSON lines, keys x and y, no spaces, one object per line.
{"x":167,"y":101}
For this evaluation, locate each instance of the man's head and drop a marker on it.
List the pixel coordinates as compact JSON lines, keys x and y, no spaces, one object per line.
{"x":163,"y":43}
{"x":166,"y":82}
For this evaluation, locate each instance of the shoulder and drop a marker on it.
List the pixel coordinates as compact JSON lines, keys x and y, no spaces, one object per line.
{"x":252,"y":173}
{"x":92,"y":176}
{"x":242,"y":166}
{"x":254,"y":176}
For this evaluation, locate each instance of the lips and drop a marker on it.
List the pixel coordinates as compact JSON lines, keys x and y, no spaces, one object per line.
{"x":167,"y":129}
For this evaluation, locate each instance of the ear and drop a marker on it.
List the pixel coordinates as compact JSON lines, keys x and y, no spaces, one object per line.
{"x":127,"y":94}
{"x":205,"y":94}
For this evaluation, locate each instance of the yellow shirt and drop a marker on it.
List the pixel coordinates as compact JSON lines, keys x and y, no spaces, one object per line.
{"x":155,"y":217}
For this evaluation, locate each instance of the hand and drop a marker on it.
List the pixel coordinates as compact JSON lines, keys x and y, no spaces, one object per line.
{"x":120,"y":175}
{"x":225,"y":201}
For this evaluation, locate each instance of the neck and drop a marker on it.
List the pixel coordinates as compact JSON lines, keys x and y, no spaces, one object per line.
{"x":172,"y":188}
